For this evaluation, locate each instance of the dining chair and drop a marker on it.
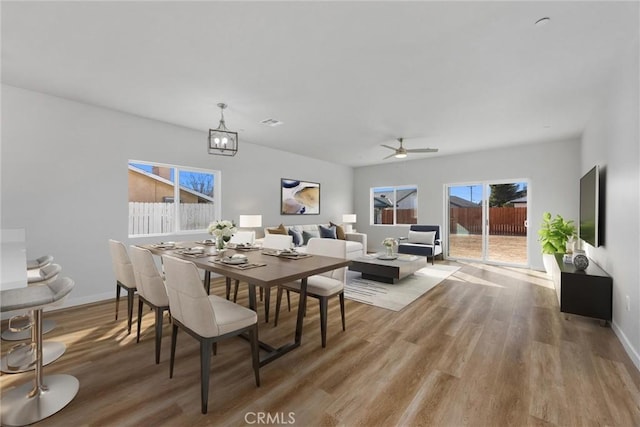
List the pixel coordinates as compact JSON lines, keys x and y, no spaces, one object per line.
{"x":322,"y":286}
{"x":207,"y":318}
{"x":151,"y":291}
{"x":125,"y":278}
{"x":277,"y":242}
{"x":243,"y":237}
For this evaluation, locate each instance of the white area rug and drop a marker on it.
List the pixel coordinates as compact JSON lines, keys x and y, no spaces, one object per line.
{"x":398,"y":296}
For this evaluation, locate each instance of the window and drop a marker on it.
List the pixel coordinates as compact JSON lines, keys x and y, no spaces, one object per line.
{"x":394,"y":205}
{"x":166,"y":199}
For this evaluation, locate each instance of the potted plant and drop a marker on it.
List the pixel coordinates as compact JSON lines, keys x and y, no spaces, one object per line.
{"x":554,"y":235}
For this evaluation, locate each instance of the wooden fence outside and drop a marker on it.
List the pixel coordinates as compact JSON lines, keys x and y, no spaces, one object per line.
{"x":503,"y":221}
{"x":159,"y":218}
{"x":404,"y":216}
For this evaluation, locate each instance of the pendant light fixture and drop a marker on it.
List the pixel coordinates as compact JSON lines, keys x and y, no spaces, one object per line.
{"x":222,"y":141}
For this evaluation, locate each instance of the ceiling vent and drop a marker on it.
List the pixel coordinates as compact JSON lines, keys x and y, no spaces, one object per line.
{"x":271,"y":122}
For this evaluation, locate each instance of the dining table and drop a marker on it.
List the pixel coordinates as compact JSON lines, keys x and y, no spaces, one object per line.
{"x":263,"y":268}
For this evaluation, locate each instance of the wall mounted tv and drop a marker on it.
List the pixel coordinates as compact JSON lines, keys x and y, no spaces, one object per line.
{"x":589,"y":206}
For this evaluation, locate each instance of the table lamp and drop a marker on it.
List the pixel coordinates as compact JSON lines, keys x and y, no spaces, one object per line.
{"x":349,"y":219}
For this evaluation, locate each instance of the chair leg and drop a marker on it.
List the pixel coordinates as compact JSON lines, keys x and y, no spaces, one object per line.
{"x":261,"y":294}
{"x":214,"y":347}
{"x":139,"y":319}
{"x":205,"y":367}
{"x":255,"y":354}
{"x":323,"y":320}
{"x":117,"y":299}
{"x":344,"y":323}
{"x":174,"y":339}
{"x":235,"y":291}
{"x":130,"y":293}
{"x":278,"y":301}
{"x":158,"y":332}
{"x":228,"y":286}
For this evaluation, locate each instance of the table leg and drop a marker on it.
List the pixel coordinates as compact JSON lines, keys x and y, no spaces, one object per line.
{"x":302,"y":304}
{"x":252,"y":297}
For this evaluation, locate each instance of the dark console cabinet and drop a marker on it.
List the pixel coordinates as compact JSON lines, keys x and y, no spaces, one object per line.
{"x":587,"y":293}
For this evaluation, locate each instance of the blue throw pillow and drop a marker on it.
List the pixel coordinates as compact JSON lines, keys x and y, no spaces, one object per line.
{"x":327,"y":232}
{"x":306,"y":235}
{"x":297,"y":237}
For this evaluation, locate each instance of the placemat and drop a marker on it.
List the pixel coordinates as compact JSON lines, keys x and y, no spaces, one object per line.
{"x":240,"y":266}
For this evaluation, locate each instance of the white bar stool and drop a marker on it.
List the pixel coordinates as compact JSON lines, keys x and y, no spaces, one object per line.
{"x":22,"y":357}
{"x":28,"y":403}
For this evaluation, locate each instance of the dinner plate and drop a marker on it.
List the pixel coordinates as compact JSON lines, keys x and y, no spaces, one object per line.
{"x":234,"y":261}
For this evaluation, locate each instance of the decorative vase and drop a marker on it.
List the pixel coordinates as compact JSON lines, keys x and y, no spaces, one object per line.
{"x":389,"y":251}
{"x":220,"y":243}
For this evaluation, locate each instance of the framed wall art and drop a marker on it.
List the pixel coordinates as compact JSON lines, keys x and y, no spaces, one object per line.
{"x":299,"y":197}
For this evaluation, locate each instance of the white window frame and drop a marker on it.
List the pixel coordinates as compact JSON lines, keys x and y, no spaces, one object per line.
{"x":393,"y":188}
{"x":217,"y":196}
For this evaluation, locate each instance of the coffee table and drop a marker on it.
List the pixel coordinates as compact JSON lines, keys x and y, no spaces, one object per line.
{"x":387,"y":271}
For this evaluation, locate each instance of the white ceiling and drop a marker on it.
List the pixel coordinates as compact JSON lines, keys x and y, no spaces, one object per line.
{"x":344,"y":77}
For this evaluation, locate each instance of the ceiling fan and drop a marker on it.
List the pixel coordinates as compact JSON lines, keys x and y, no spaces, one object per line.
{"x":401,"y":152}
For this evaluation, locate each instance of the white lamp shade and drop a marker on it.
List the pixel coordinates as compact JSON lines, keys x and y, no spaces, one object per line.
{"x":250,"y":221}
{"x":349,"y":218}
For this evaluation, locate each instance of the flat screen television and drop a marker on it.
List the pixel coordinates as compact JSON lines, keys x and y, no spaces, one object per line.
{"x":589,"y":206}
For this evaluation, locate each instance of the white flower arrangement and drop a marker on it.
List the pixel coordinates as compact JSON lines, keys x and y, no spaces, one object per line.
{"x":390,"y":242}
{"x":223,"y":228}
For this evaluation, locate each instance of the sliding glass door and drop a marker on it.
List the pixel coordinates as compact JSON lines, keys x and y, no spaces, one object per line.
{"x":488,"y":222}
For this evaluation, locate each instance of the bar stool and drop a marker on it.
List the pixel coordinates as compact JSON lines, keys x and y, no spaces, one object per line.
{"x":43,"y":261}
{"x":46,"y":273}
{"x":28,"y":403}
{"x":21,"y":357}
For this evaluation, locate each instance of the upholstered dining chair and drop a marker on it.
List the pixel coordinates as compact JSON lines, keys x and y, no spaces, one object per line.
{"x":207,"y":318}
{"x":322,"y":286}
{"x":151,"y":291}
{"x":125,"y":278}
{"x":277,"y":242}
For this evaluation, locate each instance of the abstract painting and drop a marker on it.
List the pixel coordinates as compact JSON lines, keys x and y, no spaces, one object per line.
{"x":299,"y":197}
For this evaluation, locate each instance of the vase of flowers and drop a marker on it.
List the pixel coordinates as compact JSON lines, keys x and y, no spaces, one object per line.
{"x":389,"y":244}
{"x":222,"y":230}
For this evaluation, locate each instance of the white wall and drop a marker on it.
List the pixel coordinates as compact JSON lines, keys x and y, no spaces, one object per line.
{"x":64,"y":179}
{"x":611,"y":140}
{"x":552,"y":170}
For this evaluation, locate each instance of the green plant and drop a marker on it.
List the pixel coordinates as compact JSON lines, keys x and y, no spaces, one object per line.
{"x":554,"y":233}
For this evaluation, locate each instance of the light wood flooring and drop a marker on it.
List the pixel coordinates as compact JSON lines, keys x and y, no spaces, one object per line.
{"x":487,"y":347}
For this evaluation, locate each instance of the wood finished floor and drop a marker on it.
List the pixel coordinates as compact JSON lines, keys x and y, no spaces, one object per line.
{"x":487,"y":347}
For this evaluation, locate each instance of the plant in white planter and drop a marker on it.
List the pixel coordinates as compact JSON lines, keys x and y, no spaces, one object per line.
{"x":554,"y":235}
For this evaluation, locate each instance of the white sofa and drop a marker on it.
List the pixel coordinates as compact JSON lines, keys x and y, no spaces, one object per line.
{"x":356,"y":242}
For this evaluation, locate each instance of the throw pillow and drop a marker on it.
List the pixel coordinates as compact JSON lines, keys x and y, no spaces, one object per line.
{"x":297,"y":237}
{"x":306,"y":235}
{"x":339,"y":231}
{"x":327,"y":232}
{"x":278,"y":230}
{"x":424,"y":237}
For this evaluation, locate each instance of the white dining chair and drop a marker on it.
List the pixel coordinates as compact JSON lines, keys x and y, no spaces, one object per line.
{"x":207,"y":318}
{"x":151,"y":291}
{"x":322,"y":286}
{"x":125,"y":278}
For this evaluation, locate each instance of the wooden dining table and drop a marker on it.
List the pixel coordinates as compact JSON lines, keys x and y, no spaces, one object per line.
{"x":273,"y":270}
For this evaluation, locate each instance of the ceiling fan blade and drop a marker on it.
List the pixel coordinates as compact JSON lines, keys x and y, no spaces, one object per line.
{"x":390,"y":155}
{"x":389,"y":147}
{"x":422,"y":150}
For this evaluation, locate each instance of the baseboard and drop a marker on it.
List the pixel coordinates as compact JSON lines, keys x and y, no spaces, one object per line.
{"x":633,"y":354}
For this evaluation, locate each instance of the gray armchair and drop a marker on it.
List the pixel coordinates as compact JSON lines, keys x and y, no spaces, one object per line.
{"x":423,"y":240}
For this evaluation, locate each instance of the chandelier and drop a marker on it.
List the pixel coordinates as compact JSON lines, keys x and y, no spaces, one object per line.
{"x":222,"y":141}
